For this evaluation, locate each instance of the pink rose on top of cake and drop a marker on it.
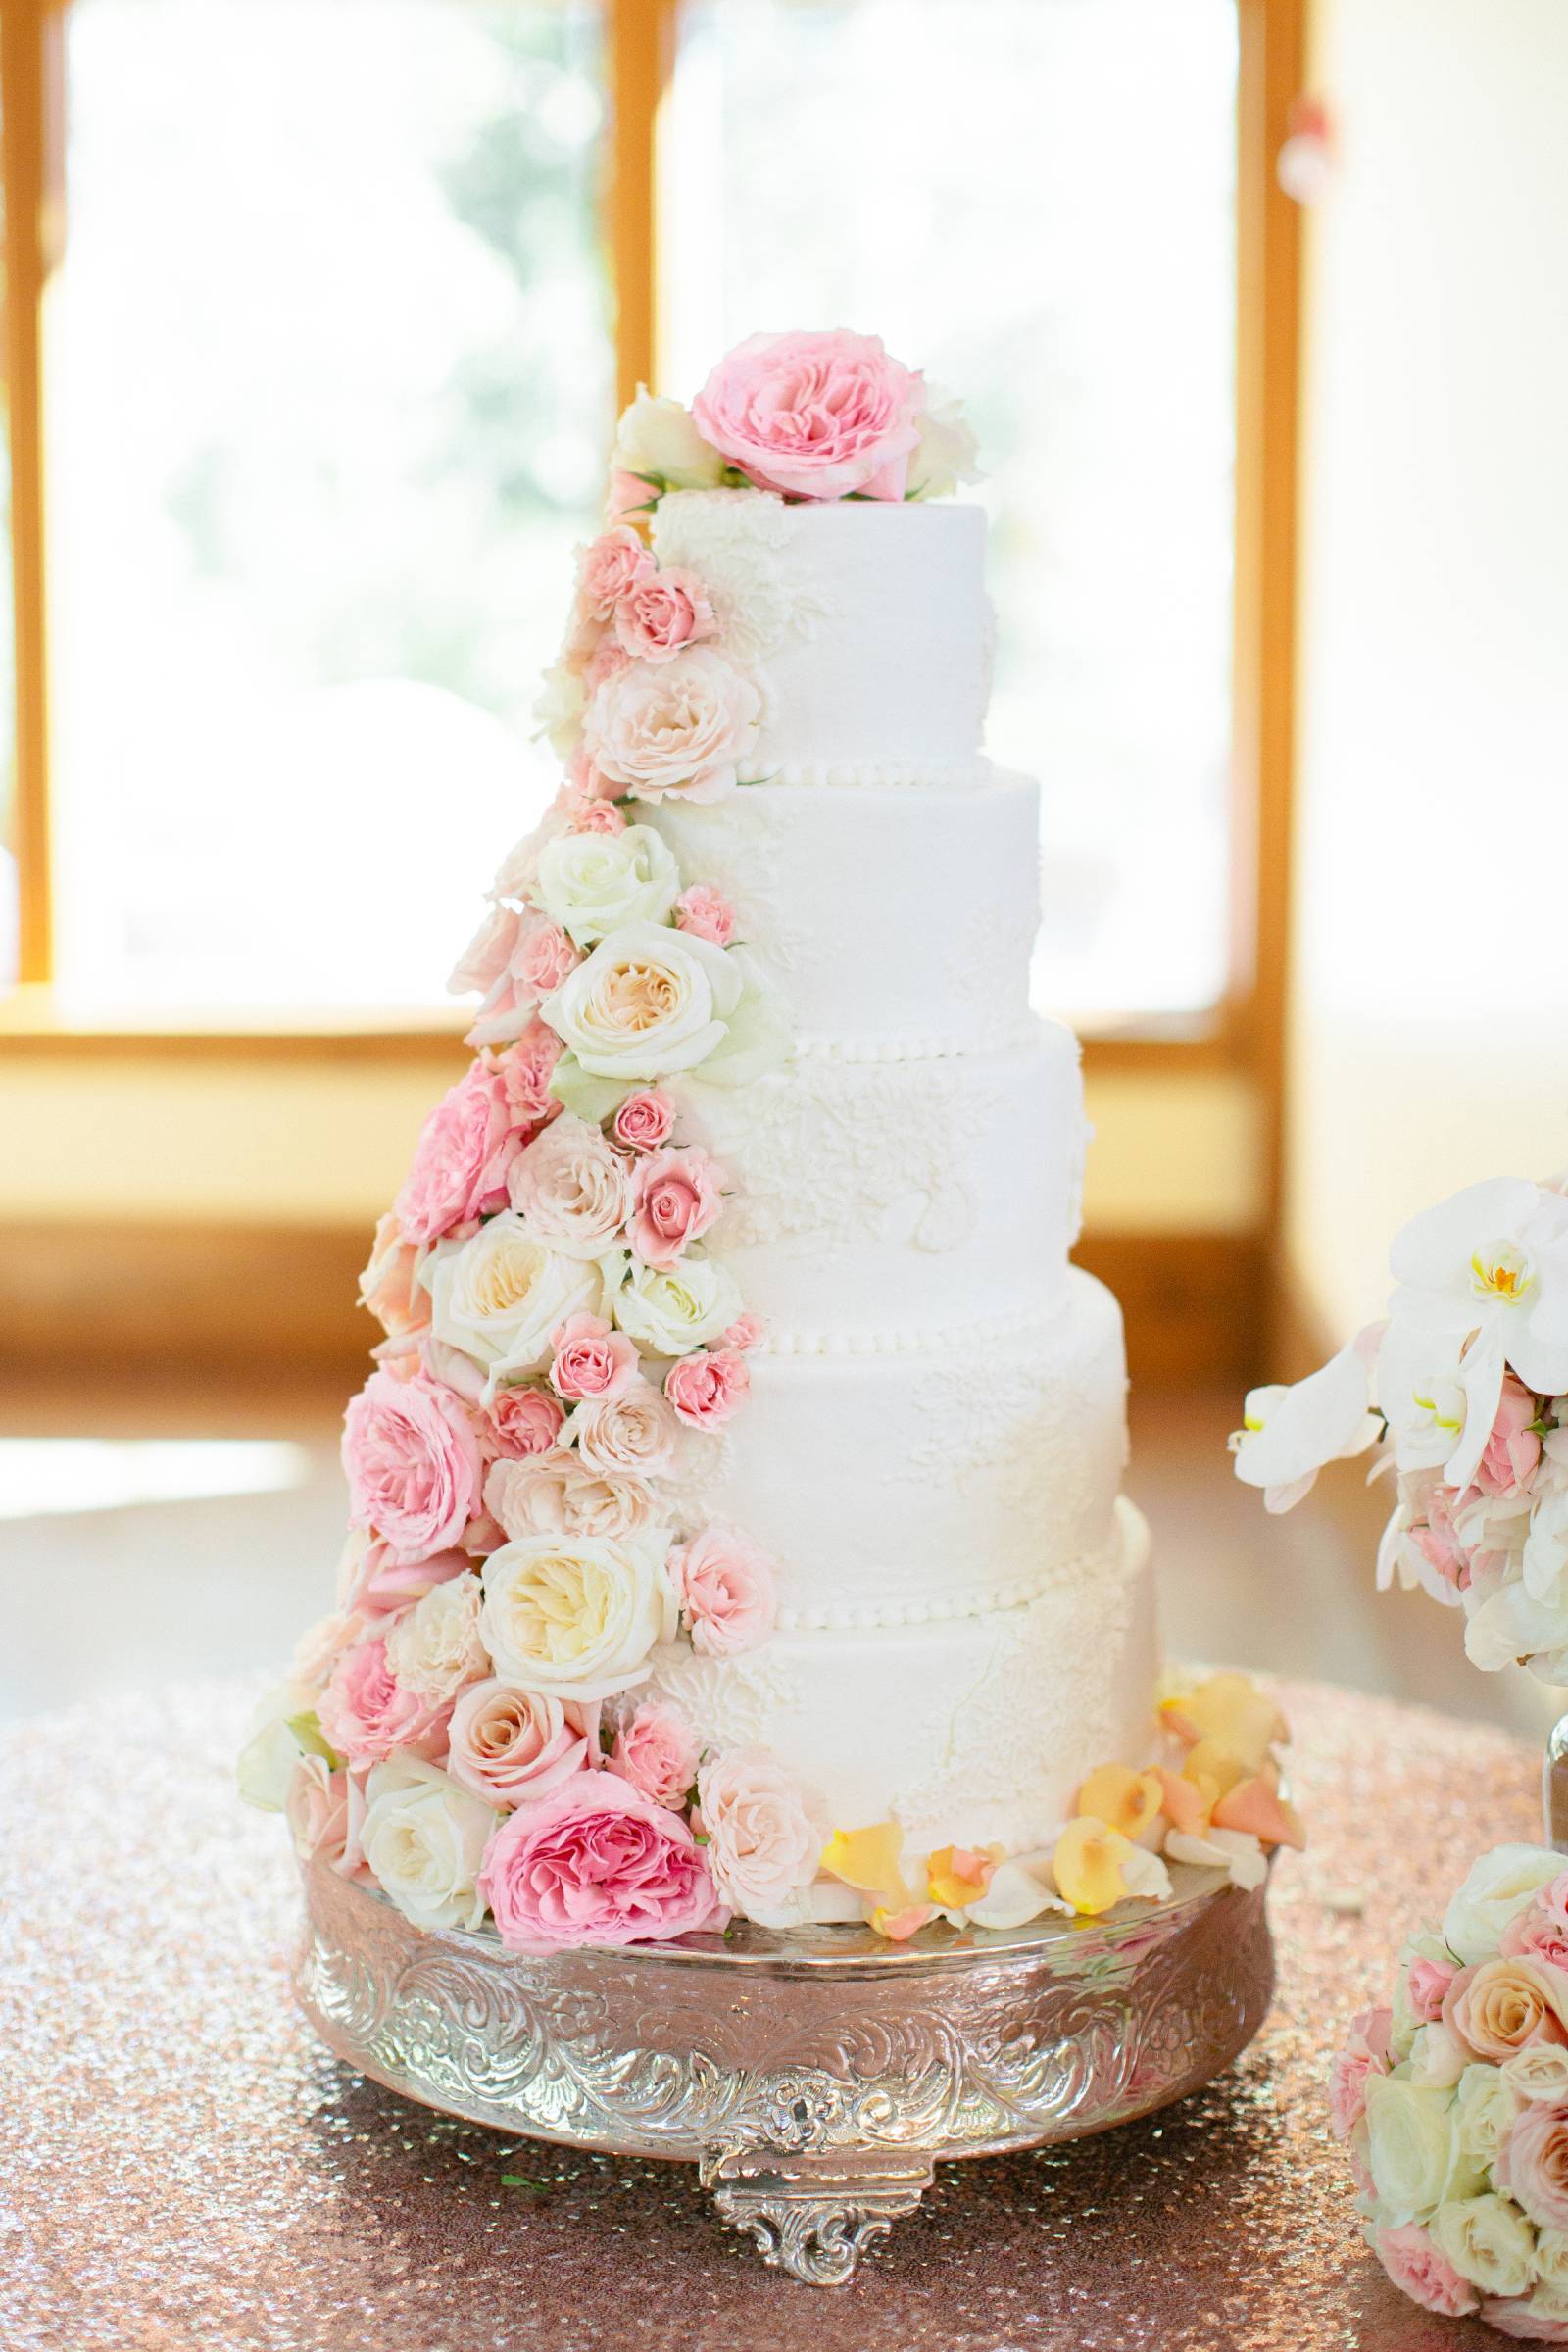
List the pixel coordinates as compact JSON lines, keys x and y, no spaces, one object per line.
{"x":675,"y":1196}
{"x":686,"y":726}
{"x":464,"y":1149}
{"x":814,"y":415}
{"x":596,"y":1861}
{"x":661,"y":613}
{"x":707,"y":1390}
{"x":724,"y":1583}
{"x":413,"y":1463}
{"x":655,"y":1751}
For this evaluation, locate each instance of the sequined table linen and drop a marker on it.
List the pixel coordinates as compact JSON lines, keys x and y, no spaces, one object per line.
{"x":184,"y":2168}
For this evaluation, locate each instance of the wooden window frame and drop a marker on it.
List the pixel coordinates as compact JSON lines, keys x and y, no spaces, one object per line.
{"x":1246,"y":1031}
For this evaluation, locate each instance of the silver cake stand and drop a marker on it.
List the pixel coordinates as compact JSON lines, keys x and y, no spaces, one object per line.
{"x":814,"y":2078}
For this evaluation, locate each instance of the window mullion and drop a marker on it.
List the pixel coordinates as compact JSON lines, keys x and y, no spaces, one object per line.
{"x":642,"y":42}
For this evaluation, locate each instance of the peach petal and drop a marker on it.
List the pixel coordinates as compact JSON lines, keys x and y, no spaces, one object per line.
{"x":1230,"y":1711}
{"x":1122,"y":1798}
{"x":956,"y":1876}
{"x":898,"y":1926}
{"x":1188,"y":1803}
{"x":1214,"y":1769}
{"x":1256,"y":1806}
{"x":870,"y":1859}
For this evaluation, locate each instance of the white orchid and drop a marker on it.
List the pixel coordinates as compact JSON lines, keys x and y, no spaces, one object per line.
{"x":1546,"y":1550}
{"x":1510,"y":1625}
{"x":1288,"y":1434}
{"x":1487,"y":1272}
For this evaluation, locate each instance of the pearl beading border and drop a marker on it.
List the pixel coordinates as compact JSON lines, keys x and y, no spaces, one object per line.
{"x":1126,"y":1551}
{"x":826,"y":1046}
{"x":913,"y":1339}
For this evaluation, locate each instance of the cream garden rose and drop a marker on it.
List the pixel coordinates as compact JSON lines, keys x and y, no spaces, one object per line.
{"x":424,"y":1837}
{"x":657,"y":439}
{"x":671,"y":1310}
{"x":765,"y":1834}
{"x":1413,"y":2149}
{"x":648,"y":1002}
{"x":558,"y":1493}
{"x":593,"y":883}
{"x":499,"y":1297}
{"x":434,"y":1647}
{"x":577,"y":1616}
{"x":1484,"y":2107}
{"x":1488,"y":2241}
{"x":573,"y":1189}
{"x":685,"y":727}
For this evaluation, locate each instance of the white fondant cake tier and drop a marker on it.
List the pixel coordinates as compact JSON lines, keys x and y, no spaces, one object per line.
{"x":931,"y":1191}
{"x":926,"y":1473}
{"x":967,"y":1733}
{"x":893,"y":923}
{"x":865,"y":624}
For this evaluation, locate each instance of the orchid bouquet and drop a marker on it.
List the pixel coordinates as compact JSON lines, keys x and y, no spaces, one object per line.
{"x":1464,"y":1391}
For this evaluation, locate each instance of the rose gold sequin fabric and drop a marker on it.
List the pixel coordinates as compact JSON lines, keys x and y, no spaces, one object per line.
{"x":183,"y":2168}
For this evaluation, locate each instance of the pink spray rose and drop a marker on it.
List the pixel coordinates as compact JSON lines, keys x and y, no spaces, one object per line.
{"x":413,"y":1463}
{"x":814,"y":415}
{"x":707,"y":1390}
{"x":610,"y":570}
{"x":461,"y":1161}
{"x":706,"y":912}
{"x":724,"y":1585}
{"x":545,"y":958}
{"x":592,"y":1360}
{"x":1426,"y":1988}
{"x":745,"y":1332}
{"x":1420,"y":2271}
{"x":1541,"y":1932}
{"x":366,"y":1712}
{"x":585,"y":816}
{"x":373,"y":1580}
{"x":1512,"y":1453}
{"x":523,"y":1421}
{"x":512,"y":1747}
{"x":675,"y":1197}
{"x":596,"y":1861}
{"x":657,"y":1753}
{"x":660,"y":612}
{"x":527,"y":1069}
{"x":1365,"y":2053}
{"x":628,"y":494}
{"x":645,"y":1120}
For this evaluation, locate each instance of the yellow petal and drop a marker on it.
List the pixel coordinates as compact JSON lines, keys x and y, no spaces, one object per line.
{"x":1088,"y":1865}
{"x":1213,"y":1768}
{"x":1231,"y":1713}
{"x":870,"y":1859}
{"x":955,"y":1876}
{"x":1122,"y":1798}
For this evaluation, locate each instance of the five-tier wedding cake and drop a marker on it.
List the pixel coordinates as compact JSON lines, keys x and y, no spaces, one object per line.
{"x":736,"y":1513}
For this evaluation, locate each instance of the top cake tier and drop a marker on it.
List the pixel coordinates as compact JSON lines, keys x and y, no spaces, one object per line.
{"x":866,"y":626}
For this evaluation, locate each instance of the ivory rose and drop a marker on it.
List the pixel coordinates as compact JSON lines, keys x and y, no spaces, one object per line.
{"x":592,"y":1360}
{"x":814,"y":415}
{"x":571,"y":1185}
{"x":655,"y":1751}
{"x":1413,"y":2149}
{"x":423,"y":1838}
{"x":318,"y":1811}
{"x":413,"y":1463}
{"x":675,"y":1197}
{"x":658,"y":444}
{"x":633,"y":1433}
{"x":522,"y":1421}
{"x":576,"y":1616}
{"x":610,"y":569}
{"x":499,"y":1297}
{"x":724,"y":1585}
{"x":764,"y":1838}
{"x":559,"y":1494}
{"x":706,"y":912}
{"x":1421,"y":2269}
{"x":948,"y":453}
{"x":648,"y":1002}
{"x":366,"y":1712}
{"x":1501,"y":1885}
{"x":1484,"y":2108}
{"x":596,"y":1861}
{"x":434,"y":1647}
{"x":512,"y":1746}
{"x":670,"y":1313}
{"x":464,"y":1148}
{"x":706,"y":1390}
{"x":661,"y":614}
{"x":645,"y":1120}
{"x":592,"y":883}
{"x":687,"y":725}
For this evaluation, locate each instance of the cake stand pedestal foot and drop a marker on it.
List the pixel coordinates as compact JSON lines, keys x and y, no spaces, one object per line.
{"x":813,"y":2213}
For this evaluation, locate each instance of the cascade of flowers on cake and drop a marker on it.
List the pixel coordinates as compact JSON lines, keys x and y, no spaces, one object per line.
{"x":564,"y":1346}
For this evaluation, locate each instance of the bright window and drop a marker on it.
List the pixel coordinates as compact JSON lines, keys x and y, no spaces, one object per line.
{"x":1035,"y":199}
{"x":329,"y":382}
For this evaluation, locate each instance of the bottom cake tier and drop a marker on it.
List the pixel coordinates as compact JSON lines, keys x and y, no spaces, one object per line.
{"x":970,"y":1732}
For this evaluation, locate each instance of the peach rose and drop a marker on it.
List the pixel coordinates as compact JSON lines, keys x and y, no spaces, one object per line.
{"x":686,"y":726}
{"x":413,"y":1463}
{"x":706,"y":1390}
{"x":512,"y":1747}
{"x":633,"y":1433}
{"x":592,"y":1358}
{"x":1506,"y":2005}
{"x":814,"y":415}
{"x":708,"y":912}
{"x":596,"y":1862}
{"x":724,"y":1585}
{"x":557,"y":1495}
{"x":657,"y":1753}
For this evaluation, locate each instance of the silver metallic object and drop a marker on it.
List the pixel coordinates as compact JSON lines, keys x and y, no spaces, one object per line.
{"x":1554,"y":1785}
{"x":816,"y":2078}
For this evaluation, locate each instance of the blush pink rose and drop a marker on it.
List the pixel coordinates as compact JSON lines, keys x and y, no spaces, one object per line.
{"x":1437,"y":1542}
{"x":631,"y":1433}
{"x":585,"y":816}
{"x":374,"y":1580}
{"x":654,"y":1751}
{"x":1364,"y":2054}
{"x":366,"y":1712}
{"x":389,"y":1287}
{"x":687,"y":726}
{"x":413,"y":1462}
{"x":512,"y":1747}
{"x":707,"y":1390}
{"x":596,"y":1862}
{"x":1426,"y":1988}
{"x":675,"y":1196}
{"x":545,"y":958}
{"x":606,"y":661}
{"x":628,"y":494}
{"x":1512,"y":1451}
{"x":466,"y":1148}
{"x":814,"y":415}
{"x":1541,"y":1930}
{"x":523,"y":1421}
{"x":645,"y":1120}
{"x":660,"y":612}
{"x":1517,"y":2317}
{"x":1420,"y":2271}
{"x":745,"y":1332}
{"x":592,"y":1360}
{"x":527,"y":1069}
{"x":706,"y":912}
{"x":488,"y":953}
{"x":724,"y":1585}
{"x":1532,"y":2165}
{"x":610,"y":569}
{"x":316,"y":1810}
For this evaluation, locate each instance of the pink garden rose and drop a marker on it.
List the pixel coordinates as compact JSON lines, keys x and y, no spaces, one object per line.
{"x":1512,"y":1453}
{"x":645,"y":1120}
{"x":544,"y":959}
{"x":630,"y":1433}
{"x":592,"y":1360}
{"x":675,"y":1196}
{"x":558,"y":1495}
{"x":1365,"y":2053}
{"x":661,"y":613}
{"x":724,"y":1583}
{"x":374,"y":1581}
{"x":1426,"y":1987}
{"x":364,"y":1711}
{"x":1532,"y":2164}
{"x":814,"y":415}
{"x":1418,"y":2270}
{"x":523,"y":1421}
{"x":654,"y":1751}
{"x":596,"y":1862}
{"x":413,"y":1463}
{"x":687,"y":726}
{"x":706,"y":912}
{"x":512,"y":1747}
{"x":707,"y":1390}
{"x":527,"y":1068}
{"x":610,"y":570}
{"x":745,"y":1332}
{"x":466,"y":1148}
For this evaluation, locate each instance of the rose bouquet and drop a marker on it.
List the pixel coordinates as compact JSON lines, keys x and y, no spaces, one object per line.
{"x":1464,"y":1390}
{"x":1453,"y":2103}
